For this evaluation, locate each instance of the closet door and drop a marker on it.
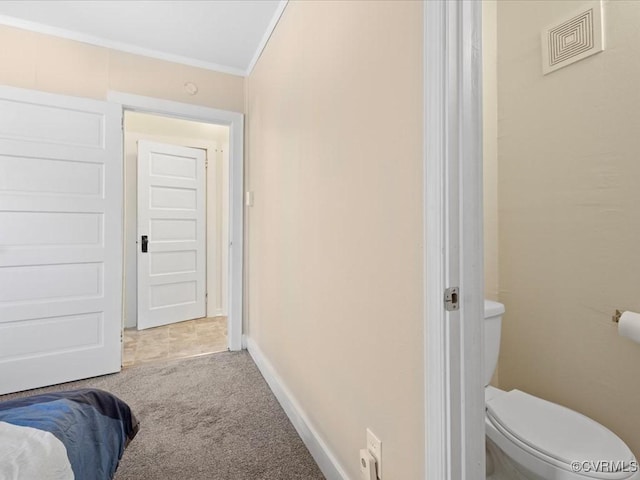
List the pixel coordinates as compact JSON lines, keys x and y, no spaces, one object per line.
{"x":60,"y":238}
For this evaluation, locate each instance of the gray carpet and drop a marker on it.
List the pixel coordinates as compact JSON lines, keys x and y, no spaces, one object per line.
{"x":206,"y":418}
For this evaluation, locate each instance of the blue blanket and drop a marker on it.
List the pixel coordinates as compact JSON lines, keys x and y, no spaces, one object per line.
{"x":92,"y":426}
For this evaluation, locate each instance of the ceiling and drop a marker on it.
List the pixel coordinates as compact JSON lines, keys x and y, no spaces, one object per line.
{"x":221,"y":35}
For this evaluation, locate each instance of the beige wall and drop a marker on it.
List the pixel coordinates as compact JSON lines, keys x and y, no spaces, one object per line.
{"x":569,"y":212}
{"x":335,"y":235}
{"x":52,"y":64}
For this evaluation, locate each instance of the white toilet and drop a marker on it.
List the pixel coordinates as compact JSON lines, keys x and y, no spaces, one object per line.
{"x":530,"y":438}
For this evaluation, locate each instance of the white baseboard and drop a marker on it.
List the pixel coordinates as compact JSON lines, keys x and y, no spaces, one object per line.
{"x":320,"y":452}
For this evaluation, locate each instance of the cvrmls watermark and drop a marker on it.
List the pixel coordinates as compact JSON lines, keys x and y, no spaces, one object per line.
{"x":604,"y":466}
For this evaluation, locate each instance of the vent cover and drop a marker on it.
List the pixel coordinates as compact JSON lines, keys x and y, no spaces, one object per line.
{"x":577,"y":37}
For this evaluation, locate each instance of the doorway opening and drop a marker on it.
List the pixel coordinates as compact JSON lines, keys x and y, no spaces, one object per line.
{"x":176,"y":273}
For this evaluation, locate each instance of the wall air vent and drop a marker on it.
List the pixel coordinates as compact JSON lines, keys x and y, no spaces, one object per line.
{"x":578,"y":36}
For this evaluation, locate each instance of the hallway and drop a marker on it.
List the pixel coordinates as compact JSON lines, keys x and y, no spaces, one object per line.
{"x":177,"y":340}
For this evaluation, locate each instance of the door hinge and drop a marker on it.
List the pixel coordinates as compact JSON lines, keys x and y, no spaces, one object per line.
{"x":451,"y":299}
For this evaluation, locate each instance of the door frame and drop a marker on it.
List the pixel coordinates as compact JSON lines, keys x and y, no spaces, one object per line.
{"x":235,"y":122}
{"x":454,"y":390}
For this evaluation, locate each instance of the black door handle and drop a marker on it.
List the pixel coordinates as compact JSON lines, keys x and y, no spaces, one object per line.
{"x":145,"y":243}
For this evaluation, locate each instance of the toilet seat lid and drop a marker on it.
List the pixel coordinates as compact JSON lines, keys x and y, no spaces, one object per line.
{"x":555,"y":431}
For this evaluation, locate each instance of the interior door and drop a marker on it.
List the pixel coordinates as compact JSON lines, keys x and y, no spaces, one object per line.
{"x":60,"y":238}
{"x":171,"y":234}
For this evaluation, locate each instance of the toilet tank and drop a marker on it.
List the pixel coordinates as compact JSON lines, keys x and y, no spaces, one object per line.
{"x":492,"y":325}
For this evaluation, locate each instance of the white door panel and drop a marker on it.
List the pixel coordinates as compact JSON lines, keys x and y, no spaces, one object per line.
{"x":60,"y":238}
{"x":45,"y":122}
{"x":171,"y":213}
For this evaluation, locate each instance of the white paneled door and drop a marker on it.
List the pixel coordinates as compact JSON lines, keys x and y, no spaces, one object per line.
{"x":60,"y":238}
{"x":171,"y":234}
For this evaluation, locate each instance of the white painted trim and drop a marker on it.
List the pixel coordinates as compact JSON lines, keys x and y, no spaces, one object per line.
{"x":121,"y":46}
{"x":454,"y":410}
{"x":235,"y":121}
{"x":213,"y":234}
{"x":318,"y":448}
{"x":225,"y":229}
{"x":436,"y":383}
{"x":267,"y":34}
{"x":470,"y":180}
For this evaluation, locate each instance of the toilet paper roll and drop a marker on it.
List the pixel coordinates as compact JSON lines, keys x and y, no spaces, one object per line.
{"x":629,"y":326}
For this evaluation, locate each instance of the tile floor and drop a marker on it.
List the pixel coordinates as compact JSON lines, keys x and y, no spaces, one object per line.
{"x":178,"y":340}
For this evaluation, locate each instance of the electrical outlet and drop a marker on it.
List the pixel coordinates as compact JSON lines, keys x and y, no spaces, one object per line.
{"x":367,"y":465}
{"x":374,"y":445}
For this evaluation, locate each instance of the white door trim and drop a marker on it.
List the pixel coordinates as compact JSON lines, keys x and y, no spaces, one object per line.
{"x":454,"y":394}
{"x":235,"y":122}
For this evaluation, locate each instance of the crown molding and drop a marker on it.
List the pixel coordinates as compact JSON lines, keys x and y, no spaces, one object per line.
{"x":121,"y":46}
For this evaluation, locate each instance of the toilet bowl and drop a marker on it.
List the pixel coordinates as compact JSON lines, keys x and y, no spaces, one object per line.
{"x":534,"y":439}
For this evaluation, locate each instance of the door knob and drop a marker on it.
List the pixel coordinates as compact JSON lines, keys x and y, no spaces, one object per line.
{"x":145,"y":243}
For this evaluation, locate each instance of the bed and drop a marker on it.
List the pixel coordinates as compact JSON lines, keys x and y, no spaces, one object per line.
{"x":79,"y":434}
